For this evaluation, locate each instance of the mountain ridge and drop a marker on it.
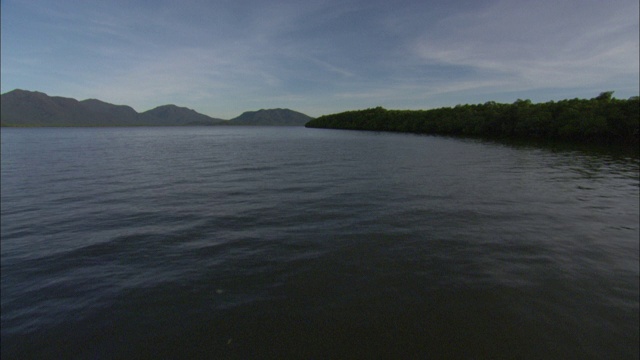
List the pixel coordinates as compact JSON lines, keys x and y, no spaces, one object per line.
{"x":271,"y":117}
{"x":24,"y":108}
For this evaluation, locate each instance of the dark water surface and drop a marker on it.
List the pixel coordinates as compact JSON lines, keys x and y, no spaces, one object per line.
{"x":250,"y":242}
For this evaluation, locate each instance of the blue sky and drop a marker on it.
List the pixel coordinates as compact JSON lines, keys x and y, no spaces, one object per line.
{"x":223,"y":57}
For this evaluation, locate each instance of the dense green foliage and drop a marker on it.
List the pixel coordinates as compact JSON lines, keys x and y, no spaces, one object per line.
{"x":601,"y":120}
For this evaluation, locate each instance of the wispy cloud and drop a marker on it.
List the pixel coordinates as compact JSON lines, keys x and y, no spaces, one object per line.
{"x":541,"y":43}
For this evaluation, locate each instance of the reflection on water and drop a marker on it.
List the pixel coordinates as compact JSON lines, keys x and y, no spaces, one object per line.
{"x":300,"y":243}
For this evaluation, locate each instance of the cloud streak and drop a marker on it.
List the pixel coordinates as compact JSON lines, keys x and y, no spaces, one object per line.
{"x":540,"y":44}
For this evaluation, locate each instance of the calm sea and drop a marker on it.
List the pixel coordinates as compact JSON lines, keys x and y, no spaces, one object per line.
{"x":258,"y":242}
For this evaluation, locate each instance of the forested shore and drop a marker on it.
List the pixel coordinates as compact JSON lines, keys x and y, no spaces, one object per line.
{"x":602,"y":120}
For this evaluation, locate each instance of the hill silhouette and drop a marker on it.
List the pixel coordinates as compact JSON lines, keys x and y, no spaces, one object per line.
{"x":33,"y":108}
{"x":22,"y":108}
{"x":271,"y":117}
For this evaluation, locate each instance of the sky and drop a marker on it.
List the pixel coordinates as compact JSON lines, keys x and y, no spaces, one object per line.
{"x":222,"y":58}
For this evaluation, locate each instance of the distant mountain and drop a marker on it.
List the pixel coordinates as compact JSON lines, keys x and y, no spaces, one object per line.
{"x":32,"y":108}
{"x":271,"y":117}
{"x":108,"y":114}
{"x":175,"y":115}
{"x":29,"y":108}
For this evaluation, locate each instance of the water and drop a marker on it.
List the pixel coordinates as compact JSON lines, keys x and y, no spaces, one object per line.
{"x":250,"y":242}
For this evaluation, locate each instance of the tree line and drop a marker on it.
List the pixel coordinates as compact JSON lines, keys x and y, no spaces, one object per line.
{"x":601,"y":120}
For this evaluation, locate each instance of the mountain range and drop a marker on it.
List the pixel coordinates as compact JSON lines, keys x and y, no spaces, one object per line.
{"x":33,"y":109}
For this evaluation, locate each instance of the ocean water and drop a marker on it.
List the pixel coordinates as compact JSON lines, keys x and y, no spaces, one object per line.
{"x":257,"y":242}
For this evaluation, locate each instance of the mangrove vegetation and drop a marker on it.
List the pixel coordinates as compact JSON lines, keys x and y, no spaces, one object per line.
{"x":601,"y":120}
